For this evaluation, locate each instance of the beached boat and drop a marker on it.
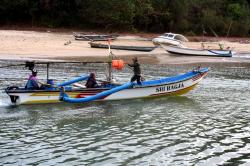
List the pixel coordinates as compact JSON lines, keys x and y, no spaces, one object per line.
{"x":176,"y":85}
{"x":85,"y":37}
{"x":170,"y":39}
{"x":198,"y":52}
{"x":120,"y":47}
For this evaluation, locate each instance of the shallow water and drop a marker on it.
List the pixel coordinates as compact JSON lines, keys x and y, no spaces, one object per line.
{"x":207,"y":126}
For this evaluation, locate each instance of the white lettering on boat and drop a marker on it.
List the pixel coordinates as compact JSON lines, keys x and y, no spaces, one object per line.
{"x":169,"y":87}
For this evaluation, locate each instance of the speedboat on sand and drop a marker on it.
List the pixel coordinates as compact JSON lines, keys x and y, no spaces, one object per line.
{"x":170,"y":39}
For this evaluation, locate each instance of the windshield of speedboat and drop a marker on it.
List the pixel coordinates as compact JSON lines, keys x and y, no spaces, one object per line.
{"x":169,"y":35}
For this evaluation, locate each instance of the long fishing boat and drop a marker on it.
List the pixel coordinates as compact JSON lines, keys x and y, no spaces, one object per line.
{"x":176,"y":85}
{"x":121,"y":47}
{"x":65,"y":92}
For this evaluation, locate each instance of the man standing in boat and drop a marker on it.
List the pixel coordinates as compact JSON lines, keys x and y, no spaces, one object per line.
{"x":32,"y":83}
{"x":137,"y":71}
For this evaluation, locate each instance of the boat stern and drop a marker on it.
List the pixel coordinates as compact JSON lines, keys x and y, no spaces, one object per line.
{"x":13,"y":97}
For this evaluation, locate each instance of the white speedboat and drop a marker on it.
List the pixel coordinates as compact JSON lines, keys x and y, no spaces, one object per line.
{"x":170,"y":39}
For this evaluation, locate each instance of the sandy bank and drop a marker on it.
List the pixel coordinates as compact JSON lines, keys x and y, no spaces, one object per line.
{"x":22,"y":45}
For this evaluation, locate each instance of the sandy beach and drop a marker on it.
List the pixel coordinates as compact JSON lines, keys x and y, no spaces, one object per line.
{"x":32,"y":45}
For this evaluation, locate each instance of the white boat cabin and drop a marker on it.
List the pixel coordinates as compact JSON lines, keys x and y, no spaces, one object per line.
{"x":170,"y":39}
{"x":175,"y":36}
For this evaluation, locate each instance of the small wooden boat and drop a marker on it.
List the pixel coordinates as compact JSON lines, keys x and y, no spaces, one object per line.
{"x":198,"y":52}
{"x":119,"y":47}
{"x":176,"y":85}
{"x":94,"y":37}
{"x":170,"y":39}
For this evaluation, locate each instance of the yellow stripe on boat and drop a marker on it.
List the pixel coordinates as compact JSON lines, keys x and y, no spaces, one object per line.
{"x":53,"y":94}
{"x":41,"y":101}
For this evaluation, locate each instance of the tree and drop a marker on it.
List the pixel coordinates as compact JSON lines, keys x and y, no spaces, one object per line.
{"x":184,"y":16}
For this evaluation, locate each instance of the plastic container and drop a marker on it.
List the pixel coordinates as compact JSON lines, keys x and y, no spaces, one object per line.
{"x":118,"y":64}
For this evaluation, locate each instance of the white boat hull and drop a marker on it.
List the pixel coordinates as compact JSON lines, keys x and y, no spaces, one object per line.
{"x":197,"y":52}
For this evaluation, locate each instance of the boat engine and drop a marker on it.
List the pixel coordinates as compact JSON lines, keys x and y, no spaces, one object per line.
{"x":12,"y":98}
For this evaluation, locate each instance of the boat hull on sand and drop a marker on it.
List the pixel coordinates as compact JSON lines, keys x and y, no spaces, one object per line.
{"x":176,"y":85}
{"x":119,"y":47}
{"x":198,"y":52}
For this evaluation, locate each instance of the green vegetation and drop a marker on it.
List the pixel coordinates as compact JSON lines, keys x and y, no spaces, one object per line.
{"x":223,"y":17}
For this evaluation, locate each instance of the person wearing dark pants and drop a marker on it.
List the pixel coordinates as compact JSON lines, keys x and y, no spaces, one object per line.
{"x":137,"y":71}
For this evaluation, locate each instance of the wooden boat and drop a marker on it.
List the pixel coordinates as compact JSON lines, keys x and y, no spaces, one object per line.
{"x":170,"y":39}
{"x":176,"y":85}
{"x":119,"y":47}
{"x":94,"y":37}
{"x":198,"y":52}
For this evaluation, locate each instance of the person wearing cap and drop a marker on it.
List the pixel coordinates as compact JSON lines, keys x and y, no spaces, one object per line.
{"x":137,"y":71}
{"x":32,"y":83}
{"x":91,"y":82}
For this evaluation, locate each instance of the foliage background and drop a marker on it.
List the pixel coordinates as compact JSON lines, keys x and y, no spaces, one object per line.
{"x":192,"y":17}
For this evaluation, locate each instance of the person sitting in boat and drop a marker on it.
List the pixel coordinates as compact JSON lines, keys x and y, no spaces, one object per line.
{"x":137,"y":71}
{"x":32,"y":83}
{"x":91,"y":82}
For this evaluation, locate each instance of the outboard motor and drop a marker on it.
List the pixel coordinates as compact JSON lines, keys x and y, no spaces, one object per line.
{"x":12,"y":98}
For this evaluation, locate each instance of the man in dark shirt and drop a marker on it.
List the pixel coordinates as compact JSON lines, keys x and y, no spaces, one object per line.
{"x":137,"y":71}
{"x":91,"y":82}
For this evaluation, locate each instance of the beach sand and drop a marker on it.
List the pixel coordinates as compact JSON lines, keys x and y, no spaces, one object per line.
{"x":44,"y":46}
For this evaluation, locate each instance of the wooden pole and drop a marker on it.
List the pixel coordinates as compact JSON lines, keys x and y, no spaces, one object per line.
{"x":229,"y":28}
{"x":47,"y":72}
{"x":109,"y":63}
